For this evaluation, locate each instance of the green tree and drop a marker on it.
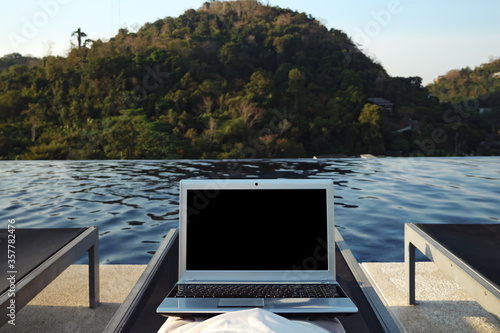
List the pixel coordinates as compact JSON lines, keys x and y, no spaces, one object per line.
{"x":371,"y":114}
{"x":261,"y":88}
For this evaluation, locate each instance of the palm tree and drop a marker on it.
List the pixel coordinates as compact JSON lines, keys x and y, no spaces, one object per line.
{"x":79,"y":34}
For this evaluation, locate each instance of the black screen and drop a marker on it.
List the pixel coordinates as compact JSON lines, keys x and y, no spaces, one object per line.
{"x":257,"y":230}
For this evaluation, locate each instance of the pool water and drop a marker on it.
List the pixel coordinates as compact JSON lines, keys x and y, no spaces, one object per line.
{"x":135,"y":203}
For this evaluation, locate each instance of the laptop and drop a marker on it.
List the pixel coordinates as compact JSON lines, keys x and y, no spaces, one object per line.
{"x":256,"y":244}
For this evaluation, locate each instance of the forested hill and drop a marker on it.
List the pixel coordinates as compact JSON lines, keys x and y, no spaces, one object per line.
{"x":480,"y":82}
{"x":235,"y":79}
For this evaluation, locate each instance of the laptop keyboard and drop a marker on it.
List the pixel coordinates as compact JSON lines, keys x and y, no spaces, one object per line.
{"x":260,"y":291}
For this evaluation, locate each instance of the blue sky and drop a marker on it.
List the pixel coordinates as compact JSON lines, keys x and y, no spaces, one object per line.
{"x":408,"y":37}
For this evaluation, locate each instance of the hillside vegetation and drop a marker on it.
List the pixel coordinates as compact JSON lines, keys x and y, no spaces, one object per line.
{"x":474,"y":96}
{"x":459,"y":85}
{"x":235,"y":79}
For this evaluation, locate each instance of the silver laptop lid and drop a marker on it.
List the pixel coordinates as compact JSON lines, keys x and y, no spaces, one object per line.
{"x":256,"y":230}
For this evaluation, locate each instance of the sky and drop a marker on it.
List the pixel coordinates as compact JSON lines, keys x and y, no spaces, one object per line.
{"x":422,"y":38}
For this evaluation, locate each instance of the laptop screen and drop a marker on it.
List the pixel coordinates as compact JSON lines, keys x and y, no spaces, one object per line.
{"x":257,"y":229}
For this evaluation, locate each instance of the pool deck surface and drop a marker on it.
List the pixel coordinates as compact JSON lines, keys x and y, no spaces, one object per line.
{"x":443,"y":305}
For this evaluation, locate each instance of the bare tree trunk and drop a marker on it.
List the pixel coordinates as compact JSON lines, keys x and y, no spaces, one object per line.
{"x":33,"y":132}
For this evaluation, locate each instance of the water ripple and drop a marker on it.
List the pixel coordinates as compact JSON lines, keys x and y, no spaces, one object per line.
{"x":135,"y":203}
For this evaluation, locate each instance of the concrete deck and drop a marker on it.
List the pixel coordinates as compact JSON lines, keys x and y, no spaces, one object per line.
{"x":443,"y":305}
{"x":64,"y":305}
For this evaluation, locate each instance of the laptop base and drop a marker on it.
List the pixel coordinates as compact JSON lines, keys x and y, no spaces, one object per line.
{"x":288,"y":307}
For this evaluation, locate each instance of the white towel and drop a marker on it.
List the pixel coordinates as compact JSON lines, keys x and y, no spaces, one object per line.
{"x":250,"y":321}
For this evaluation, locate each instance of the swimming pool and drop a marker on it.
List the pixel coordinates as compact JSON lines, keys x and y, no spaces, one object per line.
{"x":135,"y":203}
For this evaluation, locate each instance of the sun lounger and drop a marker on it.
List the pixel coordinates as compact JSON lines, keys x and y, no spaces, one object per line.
{"x":37,"y":257}
{"x":468,"y":253}
{"x":138,"y":312}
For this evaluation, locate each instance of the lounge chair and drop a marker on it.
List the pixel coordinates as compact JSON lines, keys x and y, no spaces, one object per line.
{"x":468,"y":253}
{"x":138,"y":312}
{"x":36,"y":258}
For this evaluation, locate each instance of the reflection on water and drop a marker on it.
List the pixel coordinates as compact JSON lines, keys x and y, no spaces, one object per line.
{"x":135,"y":203}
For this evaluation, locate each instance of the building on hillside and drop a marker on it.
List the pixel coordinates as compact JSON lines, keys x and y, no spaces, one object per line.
{"x":413,"y":125}
{"x":382,"y":102}
{"x":439,"y":78}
